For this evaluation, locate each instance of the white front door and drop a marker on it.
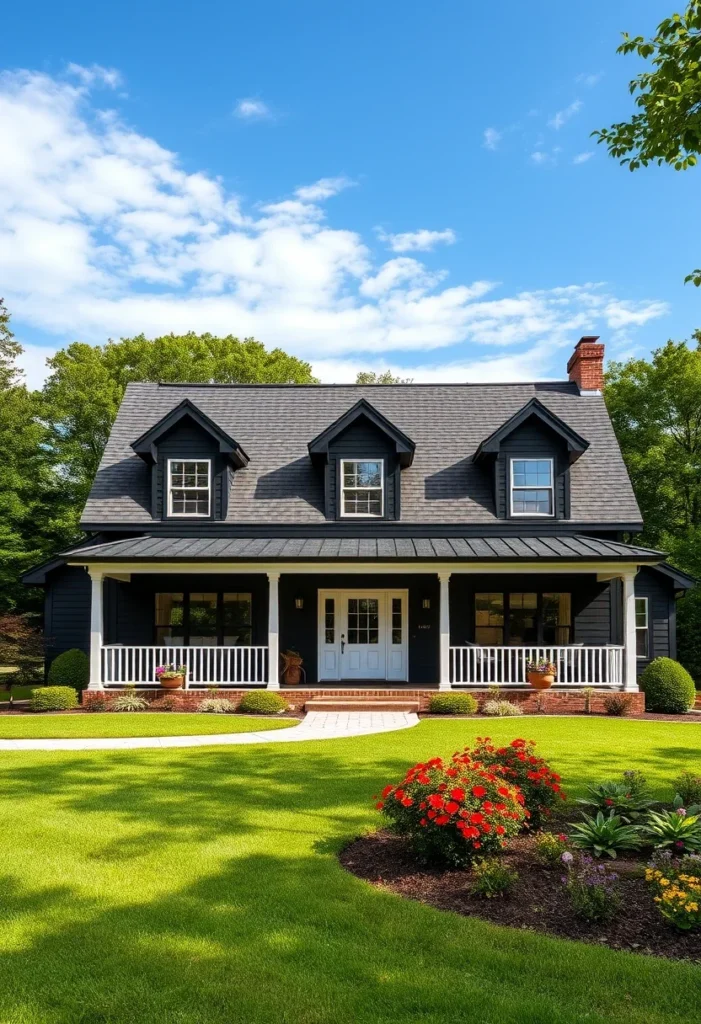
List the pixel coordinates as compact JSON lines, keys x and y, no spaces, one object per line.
{"x":363,"y":634}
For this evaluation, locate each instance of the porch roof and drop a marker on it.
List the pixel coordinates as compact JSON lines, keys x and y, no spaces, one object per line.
{"x":255,"y":549}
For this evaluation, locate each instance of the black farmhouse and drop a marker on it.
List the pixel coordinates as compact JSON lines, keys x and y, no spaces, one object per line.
{"x":431,"y":535}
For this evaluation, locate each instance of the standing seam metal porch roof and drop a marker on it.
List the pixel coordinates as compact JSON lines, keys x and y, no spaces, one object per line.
{"x":275,"y":423}
{"x":527,"y":549}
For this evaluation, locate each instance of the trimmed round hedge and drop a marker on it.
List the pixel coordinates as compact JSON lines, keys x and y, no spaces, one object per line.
{"x":452,"y":704}
{"x":72,"y":668}
{"x":54,"y":698}
{"x":263,"y":702}
{"x":668,"y":687}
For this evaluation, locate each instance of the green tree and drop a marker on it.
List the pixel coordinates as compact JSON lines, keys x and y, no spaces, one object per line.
{"x":667,"y":127}
{"x":83,"y":392}
{"x":32,"y":494}
{"x":655,"y":407}
{"x":370,"y":377}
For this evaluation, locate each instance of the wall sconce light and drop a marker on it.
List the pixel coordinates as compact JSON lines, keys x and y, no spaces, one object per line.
{"x":299,"y":603}
{"x":426,"y":603}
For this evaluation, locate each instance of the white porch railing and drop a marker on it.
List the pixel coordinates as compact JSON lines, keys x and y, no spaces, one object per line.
{"x":506,"y":666}
{"x":206,"y":666}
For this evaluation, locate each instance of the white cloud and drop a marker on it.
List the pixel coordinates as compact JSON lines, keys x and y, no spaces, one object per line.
{"x":563,"y":116}
{"x":590,"y":80}
{"x":33,"y":362}
{"x":492,"y":138}
{"x":251,"y":109}
{"x":324,"y":188}
{"x":581,"y":158}
{"x":102,"y":233}
{"x":422,"y":240}
{"x":95,"y":75}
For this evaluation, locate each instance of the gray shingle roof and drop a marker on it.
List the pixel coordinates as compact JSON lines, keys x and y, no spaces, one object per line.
{"x":531,"y":549}
{"x":274,"y":425}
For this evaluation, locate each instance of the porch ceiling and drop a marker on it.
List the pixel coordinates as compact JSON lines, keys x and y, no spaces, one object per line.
{"x":473,"y":549}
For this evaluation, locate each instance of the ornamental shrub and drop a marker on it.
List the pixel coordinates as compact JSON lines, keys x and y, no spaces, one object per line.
{"x":263,"y":702}
{"x":687,"y":786}
{"x":54,"y":698}
{"x":216,"y":706}
{"x":677,"y":893}
{"x":491,"y":877}
{"x":549,"y":847}
{"x":617,"y":704}
{"x":592,"y":889}
{"x":452,"y":704}
{"x":501,"y":709}
{"x":522,"y":767}
{"x":668,"y":687}
{"x":454,"y":812}
{"x":128,"y":702}
{"x":72,"y":668}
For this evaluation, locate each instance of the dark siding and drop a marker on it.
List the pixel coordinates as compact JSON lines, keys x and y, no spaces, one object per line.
{"x":298,"y":628}
{"x":188,"y":441}
{"x":533,"y":440}
{"x":67,"y":611}
{"x":659,"y":590}
{"x":590,"y":602}
{"x":365,"y":441}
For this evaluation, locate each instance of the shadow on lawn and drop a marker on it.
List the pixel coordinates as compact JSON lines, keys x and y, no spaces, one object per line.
{"x":296,"y":939}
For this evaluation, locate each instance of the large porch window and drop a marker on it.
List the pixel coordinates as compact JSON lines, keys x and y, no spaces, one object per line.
{"x":520,"y":619}
{"x":195,"y":619}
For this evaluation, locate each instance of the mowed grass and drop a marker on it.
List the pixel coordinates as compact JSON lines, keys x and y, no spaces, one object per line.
{"x":202,"y":887}
{"x":152,"y":723}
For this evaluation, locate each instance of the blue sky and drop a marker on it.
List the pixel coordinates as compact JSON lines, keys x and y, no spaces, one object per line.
{"x":396,"y":185}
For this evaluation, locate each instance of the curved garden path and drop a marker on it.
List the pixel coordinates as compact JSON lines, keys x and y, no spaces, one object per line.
{"x":317,"y":725}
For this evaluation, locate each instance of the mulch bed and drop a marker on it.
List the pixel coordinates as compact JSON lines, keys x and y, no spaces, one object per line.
{"x":538,"y":901}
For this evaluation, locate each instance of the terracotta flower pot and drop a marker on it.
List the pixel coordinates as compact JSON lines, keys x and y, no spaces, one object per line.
{"x":541,"y":680}
{"x":172,"y":682}
{"x":292,"y":669}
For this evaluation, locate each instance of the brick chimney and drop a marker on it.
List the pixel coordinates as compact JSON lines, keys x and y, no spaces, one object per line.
{"x":586,"y":365}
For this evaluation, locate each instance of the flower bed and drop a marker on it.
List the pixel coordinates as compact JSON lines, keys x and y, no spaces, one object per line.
{"x":537,"y":900}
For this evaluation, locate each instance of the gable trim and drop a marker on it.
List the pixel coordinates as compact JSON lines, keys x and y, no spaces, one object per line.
{"x":146,"y":445}
{"x":576,"y":444}
{"x":404,"y":446}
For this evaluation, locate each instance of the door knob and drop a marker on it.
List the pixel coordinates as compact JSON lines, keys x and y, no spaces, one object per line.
{"x":343,"y":642}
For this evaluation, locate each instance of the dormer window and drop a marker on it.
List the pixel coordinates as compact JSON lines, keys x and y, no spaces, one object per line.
{"x":189,"y":487}
{"x":532,"y":487}
{"x":362,"y":487}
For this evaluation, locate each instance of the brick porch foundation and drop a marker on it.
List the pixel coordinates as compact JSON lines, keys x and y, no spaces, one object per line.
{"x":553,"y":702}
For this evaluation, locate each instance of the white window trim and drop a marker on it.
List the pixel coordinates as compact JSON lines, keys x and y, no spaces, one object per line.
{"x":646,"y":627}
{"x":531,"y":487}
{"x":363,"y":515}
{"x":189,"y":515}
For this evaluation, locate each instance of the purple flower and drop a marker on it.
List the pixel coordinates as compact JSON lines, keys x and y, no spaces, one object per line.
{"x":566,"y":857}
{"x":679,"y":844}
{"x":681,"y":811}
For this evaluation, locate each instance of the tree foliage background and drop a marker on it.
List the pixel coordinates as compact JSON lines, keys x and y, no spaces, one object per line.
{"x":52,"y":440}
{"x":655,"y":407}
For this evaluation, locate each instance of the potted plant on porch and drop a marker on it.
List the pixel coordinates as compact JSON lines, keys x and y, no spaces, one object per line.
{"x":291,"y":667}
{"x":541,"y":674}
{"x":171,"y":677}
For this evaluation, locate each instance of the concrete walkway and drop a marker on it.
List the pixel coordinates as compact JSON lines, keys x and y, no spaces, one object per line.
{"x":317,"y":725}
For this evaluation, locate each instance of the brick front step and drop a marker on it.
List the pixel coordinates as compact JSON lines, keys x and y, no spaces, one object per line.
{"x":361,"y":704}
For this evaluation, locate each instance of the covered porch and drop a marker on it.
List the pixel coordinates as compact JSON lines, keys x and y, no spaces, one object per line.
{"x":362,"y":618}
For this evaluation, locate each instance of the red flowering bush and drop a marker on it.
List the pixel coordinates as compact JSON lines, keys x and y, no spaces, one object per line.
{"x":454,"y":812}
{"x":532,"y":774}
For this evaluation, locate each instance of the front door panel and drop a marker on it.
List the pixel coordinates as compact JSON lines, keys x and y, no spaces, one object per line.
{"x":363,"y":635}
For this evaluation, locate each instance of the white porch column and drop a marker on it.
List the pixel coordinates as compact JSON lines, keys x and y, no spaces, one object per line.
{"x":96,"y":577}
{"x":273,"y":632}
{"x":444,"y":639}
{"x":629,"y":637}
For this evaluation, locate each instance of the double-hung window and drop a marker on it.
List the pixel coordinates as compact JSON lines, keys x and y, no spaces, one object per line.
{"x":189,"y":487}
{"x":362,"y":487}
{"x":642,"y":628}
{"x":532,"y":491}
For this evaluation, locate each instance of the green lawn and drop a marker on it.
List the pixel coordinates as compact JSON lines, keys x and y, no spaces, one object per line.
{"x":153,"y":723}
{"x":18,"y":693}
{"x":200,"y":886}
